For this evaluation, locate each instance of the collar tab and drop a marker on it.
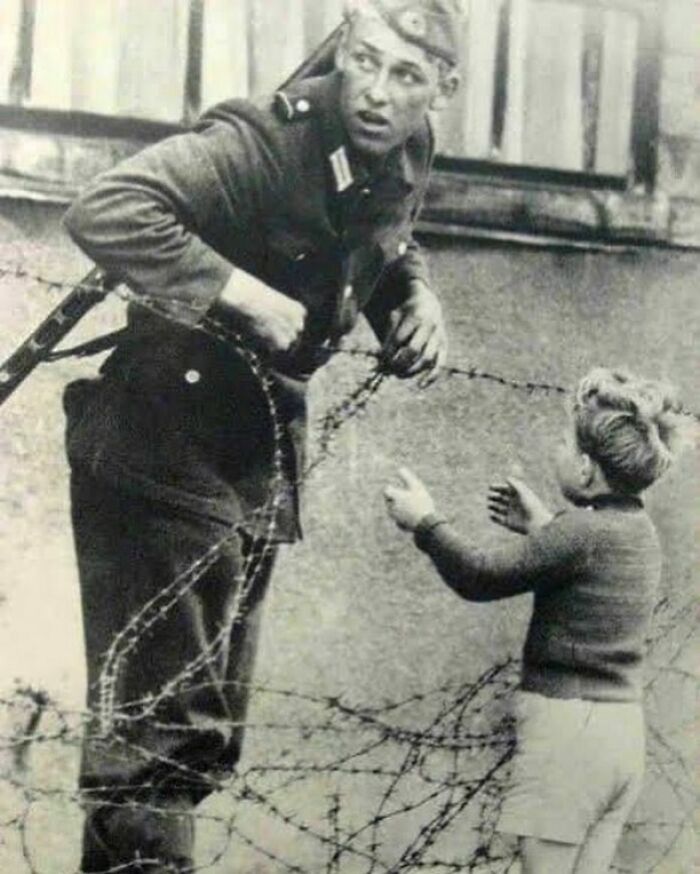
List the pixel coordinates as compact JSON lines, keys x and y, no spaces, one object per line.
{"x":342,"y":171}
{"x":292,"y":107}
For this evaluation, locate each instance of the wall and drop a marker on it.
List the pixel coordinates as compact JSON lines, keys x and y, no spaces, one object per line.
{"x":137,"y":63}
{"x":355,"y":613}
{"x":679,"y":152}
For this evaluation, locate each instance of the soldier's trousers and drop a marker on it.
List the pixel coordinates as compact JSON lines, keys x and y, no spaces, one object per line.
{"x":169,"y":663}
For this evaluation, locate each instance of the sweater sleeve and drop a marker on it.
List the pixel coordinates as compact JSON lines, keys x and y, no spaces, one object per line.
{"x":151,"y":220}
{"x":537,"y":562}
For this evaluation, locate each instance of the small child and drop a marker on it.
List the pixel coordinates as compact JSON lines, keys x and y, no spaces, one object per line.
{"x":594,"y":570}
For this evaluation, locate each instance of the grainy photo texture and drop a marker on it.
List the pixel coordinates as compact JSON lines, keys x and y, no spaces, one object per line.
{"x":348,"y":424}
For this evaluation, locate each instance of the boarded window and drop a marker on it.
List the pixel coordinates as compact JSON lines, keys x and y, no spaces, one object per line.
{"x":547,"y":84}
{"x":561,"y":84}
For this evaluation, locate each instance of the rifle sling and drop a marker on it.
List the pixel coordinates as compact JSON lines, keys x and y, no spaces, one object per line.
{"x":92,"y":347}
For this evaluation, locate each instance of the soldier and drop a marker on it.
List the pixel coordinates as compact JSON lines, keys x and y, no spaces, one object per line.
{"x":283,"y":218}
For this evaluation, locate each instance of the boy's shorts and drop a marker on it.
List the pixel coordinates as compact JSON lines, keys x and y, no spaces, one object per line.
{"x":576,"y":762}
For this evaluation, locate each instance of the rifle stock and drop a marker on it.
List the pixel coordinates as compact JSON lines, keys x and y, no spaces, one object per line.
{"x":37,"y":347}
{"x":93,"y":287}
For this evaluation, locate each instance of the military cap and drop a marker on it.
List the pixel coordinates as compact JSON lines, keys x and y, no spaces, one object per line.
{"x":435,"y":25}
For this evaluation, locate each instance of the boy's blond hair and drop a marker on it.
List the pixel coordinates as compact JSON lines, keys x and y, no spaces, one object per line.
{"x":632,"y":427}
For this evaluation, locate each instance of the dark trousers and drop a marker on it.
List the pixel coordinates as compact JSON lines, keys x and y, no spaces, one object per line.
{"x":169,"y":669}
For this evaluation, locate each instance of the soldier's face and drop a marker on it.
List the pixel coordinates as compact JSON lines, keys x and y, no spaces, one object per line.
{"x":388,"y":86}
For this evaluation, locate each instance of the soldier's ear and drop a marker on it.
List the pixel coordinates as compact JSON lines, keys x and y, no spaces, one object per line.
{"x":446,"y":90}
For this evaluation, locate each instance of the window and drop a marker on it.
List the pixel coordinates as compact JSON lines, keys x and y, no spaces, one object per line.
{"x":160,"y":60}
{"x":568,"y":87}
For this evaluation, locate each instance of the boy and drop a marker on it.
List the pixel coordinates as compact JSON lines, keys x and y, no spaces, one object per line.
{"x":594,"y":570}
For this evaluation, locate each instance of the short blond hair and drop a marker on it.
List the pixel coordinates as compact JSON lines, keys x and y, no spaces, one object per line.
{"x":632,"y":427}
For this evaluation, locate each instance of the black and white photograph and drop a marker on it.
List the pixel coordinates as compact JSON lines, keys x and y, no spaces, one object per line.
{"x":349,"y":430}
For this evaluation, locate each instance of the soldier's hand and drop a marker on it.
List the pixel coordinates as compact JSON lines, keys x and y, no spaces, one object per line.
{"x":417,"y":340}
{"x":273,"y":319}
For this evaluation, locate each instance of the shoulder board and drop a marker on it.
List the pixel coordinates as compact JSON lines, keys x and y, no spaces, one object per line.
{"x":293,"y":108}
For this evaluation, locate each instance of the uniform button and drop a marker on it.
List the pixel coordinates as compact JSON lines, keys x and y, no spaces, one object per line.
{"x":303,"y":105}
{"x":347,"y":292}
{"x":366,"y":192}
{"x":300,"y":257}
{"x":403,"y":247}
{"x":193,"y":377}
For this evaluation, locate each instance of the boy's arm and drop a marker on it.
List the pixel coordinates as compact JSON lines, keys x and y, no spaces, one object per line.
{"x":541,"y":560}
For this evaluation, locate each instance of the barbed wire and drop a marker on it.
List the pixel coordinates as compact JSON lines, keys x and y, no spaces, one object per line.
{"x":222,"y":332}
{"x":255,"y":785}
{"x":471,"y":372}
{"x":446,"y":768}
{"x":450,"y":767}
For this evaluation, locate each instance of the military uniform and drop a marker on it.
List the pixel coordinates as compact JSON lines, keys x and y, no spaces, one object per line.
{"x":173,"y":445}
{"x":272,"y":188}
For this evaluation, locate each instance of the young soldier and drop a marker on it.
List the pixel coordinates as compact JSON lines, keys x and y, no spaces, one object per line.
{"x":283,"y":217}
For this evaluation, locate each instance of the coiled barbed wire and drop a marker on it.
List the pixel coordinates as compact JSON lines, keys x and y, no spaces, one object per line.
{"x":449,"y":733}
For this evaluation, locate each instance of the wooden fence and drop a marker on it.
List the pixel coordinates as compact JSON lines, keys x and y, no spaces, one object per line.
{"x":562,"y":84}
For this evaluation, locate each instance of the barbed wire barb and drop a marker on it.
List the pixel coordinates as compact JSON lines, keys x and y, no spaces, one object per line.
{"x":421,"y":763}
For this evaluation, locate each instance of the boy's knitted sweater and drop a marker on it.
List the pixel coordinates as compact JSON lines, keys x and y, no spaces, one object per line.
{"x":594,"y":572}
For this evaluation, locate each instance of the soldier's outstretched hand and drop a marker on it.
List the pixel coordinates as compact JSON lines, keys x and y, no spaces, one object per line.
{"x":417,"y":339}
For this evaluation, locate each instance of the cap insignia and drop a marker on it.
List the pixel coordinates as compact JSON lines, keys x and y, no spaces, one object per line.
{"x":413,"y":23}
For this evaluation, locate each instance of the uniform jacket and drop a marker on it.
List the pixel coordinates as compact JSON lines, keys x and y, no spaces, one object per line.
{"x":270,"y":186}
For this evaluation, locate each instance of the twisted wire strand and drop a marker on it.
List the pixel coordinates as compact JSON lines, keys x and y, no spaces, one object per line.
{"x":439,"y":754}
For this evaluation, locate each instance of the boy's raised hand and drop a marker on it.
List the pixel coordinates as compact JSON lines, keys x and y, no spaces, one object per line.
{"x":410,"y":502}
{"x":515,"y":506}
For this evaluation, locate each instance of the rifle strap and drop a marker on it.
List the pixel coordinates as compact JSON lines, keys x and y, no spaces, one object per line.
{"x":92,"y":347}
